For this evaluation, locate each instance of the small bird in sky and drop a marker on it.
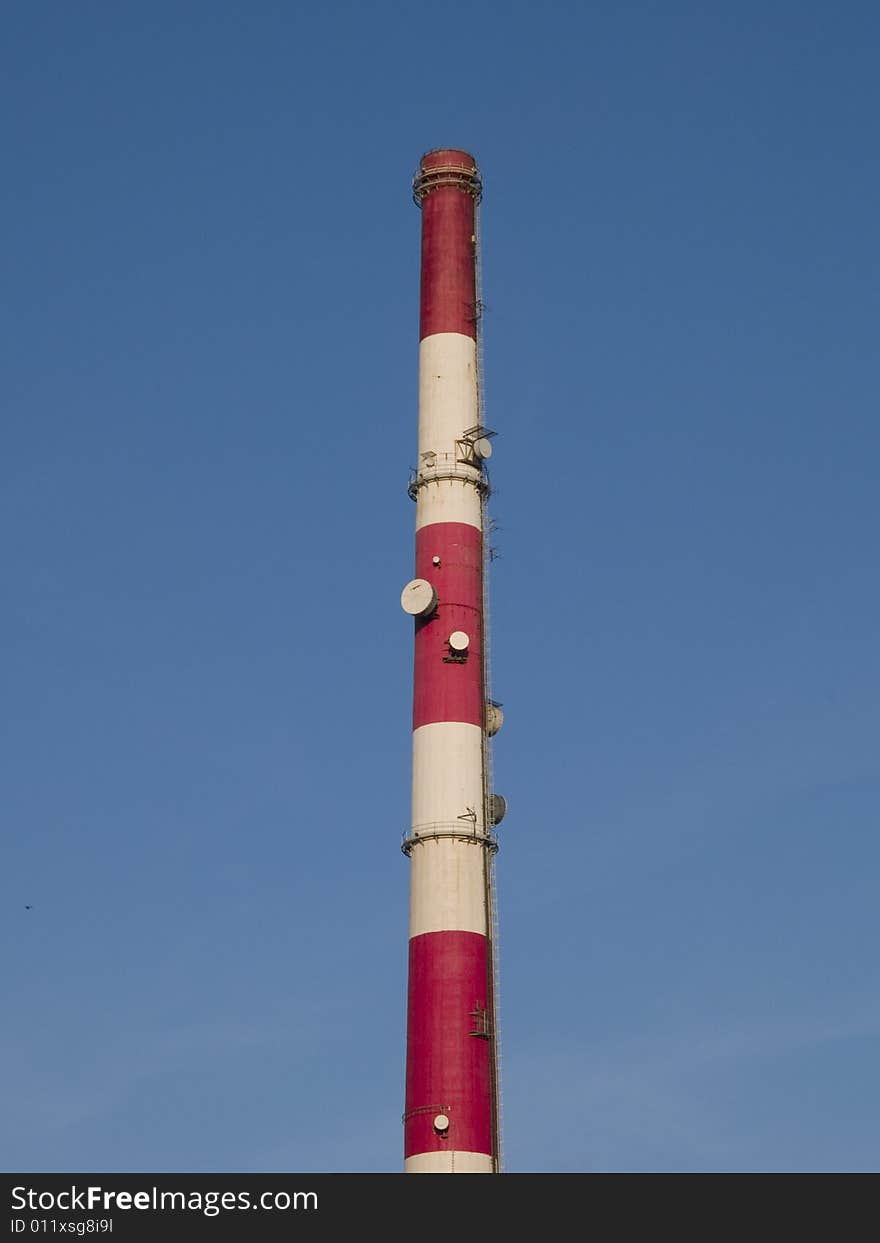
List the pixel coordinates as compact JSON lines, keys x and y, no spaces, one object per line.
{"x":28,"y":908}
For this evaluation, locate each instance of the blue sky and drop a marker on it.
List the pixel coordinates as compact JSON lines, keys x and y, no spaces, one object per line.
{"x":209,"y":338}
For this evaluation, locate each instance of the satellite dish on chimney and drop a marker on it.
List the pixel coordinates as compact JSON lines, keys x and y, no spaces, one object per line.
{"x":418,"y":598}
{"x":483,"y":447}
{"x":497,"y":808}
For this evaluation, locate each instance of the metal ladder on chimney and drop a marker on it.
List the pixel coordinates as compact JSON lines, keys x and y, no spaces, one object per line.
{"x":488,"y":788}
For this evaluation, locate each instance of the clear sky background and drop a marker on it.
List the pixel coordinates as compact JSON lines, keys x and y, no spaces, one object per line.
{"x":209,"y":337}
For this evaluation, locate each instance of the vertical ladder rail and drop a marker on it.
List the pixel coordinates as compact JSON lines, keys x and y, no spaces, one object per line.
{"x":488,"y":785}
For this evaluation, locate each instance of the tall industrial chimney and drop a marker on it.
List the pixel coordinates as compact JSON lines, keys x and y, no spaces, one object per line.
{"x":451,"y":1123}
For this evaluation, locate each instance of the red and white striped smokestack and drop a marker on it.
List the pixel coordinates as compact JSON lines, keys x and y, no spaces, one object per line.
{"x":451,"y":1118}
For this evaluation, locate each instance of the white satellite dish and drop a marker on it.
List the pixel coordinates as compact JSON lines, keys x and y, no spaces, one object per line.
{"x":418,"y":598}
